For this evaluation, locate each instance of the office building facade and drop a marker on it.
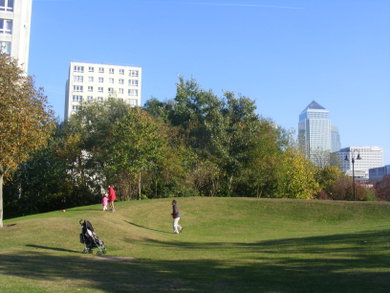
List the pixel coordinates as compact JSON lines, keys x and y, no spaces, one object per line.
{"x":314,"y":131}
{"x":15,"y":24}
{"x":97,"y":82}
{"x":365,"y":158}
{"x":377,"y":174}
{"x":335,"y":139}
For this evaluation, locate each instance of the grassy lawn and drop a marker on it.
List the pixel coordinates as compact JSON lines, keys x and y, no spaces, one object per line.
{"x":228,"y":245}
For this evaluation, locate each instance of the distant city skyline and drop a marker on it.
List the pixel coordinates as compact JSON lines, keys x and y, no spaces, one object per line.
{"x":283,"y":55}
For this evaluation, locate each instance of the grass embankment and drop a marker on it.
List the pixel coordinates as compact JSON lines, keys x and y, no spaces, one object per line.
{"x":228,"y":245}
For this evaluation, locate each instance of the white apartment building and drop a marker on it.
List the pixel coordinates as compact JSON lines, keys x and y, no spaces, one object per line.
{"x":15,"y":23}
{"x":364,"y":158}
{"x":97,"y":82}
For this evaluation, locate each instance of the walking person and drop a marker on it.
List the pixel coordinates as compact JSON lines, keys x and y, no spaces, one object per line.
{"x":105,"y":201}
{"x":111,"y":197}
{"x":176,"y":218}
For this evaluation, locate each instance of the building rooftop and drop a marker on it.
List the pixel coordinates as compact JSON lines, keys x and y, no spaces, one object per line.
{"x":315,"y":106}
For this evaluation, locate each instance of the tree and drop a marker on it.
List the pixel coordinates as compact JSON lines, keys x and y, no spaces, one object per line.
{"x":88,"y":137}
{"x":139,"y":143}
{"x":296,"y":176}
{"x":382,"y":188}
{"x":327,"y":178}
{"x":259,"y":173}
{"x":26,"y":120}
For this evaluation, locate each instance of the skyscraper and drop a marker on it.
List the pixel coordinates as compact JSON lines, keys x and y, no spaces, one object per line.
{"x":335,"y":139}
{"x":314,"y":133}
{"x":97,"y":82}
{"x":15,"y":21}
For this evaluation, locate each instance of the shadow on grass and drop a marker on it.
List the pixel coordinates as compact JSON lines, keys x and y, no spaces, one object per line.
{"x":52,"y":248}
{"x":338,"y":263}
{"x":150,"y":229}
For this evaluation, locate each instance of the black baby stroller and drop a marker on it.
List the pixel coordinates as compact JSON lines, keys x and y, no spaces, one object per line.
{"x":90,"y":239}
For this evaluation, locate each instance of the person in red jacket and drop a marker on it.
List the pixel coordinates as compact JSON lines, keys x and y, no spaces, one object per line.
{"x":111,"y":197}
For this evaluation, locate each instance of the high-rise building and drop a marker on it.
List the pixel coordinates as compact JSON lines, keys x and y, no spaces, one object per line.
{"x":364,"y":159}
{"x":97,"y":82}
{"x":314,"y":132}
{"x":15,"y":23}
{"x":335,"y":139}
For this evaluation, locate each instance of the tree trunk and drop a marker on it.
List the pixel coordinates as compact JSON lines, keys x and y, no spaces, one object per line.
{"x":230,"y":186}
{"x":139,"y":185}
{"x":1,"y":200}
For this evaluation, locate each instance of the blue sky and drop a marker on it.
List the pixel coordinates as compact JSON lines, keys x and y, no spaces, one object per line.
{"x":281,"y":53}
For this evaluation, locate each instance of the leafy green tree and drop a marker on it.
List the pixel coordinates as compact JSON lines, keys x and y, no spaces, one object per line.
{"x":327,"y":177}
{"x":296,"y":176}
{"x":25,"y":119}
{"x":42,"y":183}
{"x":259,"y":175}
{"x":88,"y":138}
{"x":138,"y":143}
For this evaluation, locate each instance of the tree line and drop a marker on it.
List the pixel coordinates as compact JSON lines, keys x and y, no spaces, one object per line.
{"x":196,"y":144}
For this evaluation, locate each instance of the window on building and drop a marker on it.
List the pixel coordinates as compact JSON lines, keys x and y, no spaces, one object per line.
{"x":121,"y":81}
{"x":121,"y":71}
{"x":78,"y":78}
{"x":133,"y":92}
{"x":6,"y":5}
{"x":132,"y":102}
{"x":111,"y":71}
{"x":77,"y":98}
{"x":133,"y":73}
{"x":100,"y":99}
{"x":78,"y":88}
{"x":101,"y":70}
{"x":5,"y":47}
{"x":100,"y":89}
{"x":111,"y":80}
{"x":91,"y":69}
{"x":5,"y":26}
{"x":90,"y":78}
{"x":133,"y":82}
{"x":90,"y":88}
{"x":101,"y":79}
{"x":78,"y":68}
{"x":111,"y":90}
{"x":90,"y":98}
{"x":121,"y":91}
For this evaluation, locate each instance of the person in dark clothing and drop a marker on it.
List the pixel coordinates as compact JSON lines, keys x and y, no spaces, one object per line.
{"x":176,"y":218}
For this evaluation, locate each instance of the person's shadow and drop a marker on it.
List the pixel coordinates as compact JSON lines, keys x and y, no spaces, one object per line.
{"x":52,"y":248}
{"x":143,"y":227}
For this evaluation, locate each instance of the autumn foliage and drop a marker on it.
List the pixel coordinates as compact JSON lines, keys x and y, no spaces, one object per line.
{"x":25,"y":119}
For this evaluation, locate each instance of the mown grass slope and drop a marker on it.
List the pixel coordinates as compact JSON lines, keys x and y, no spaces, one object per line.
{"x":228,"y":245}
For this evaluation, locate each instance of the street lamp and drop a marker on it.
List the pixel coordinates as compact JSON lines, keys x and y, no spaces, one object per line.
{"x":353,"y":171}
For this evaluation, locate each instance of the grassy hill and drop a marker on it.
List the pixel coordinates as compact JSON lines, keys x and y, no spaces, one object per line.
{"x":228,"y":245}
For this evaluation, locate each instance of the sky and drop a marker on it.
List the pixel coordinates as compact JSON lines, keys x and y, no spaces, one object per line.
{"x":282,"y":54}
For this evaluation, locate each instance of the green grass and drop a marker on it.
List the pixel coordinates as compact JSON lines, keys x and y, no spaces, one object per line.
{"x":228,"y":245}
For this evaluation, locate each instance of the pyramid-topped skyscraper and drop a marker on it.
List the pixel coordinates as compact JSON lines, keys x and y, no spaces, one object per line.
{"x":314,"y":132}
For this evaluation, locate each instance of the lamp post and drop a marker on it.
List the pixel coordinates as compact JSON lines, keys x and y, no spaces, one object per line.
{"x":353,"y":171}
